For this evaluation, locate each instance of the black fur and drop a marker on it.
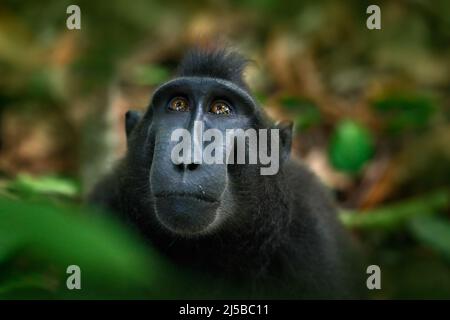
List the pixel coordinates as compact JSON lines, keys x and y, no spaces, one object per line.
{"x":280,"y":237}
{"x":217,"y":63}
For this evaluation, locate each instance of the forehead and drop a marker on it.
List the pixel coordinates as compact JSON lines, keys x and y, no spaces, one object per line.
{"x":202,"y":86}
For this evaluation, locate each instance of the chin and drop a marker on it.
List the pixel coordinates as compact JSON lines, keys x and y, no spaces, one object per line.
{"x":186,"y":214}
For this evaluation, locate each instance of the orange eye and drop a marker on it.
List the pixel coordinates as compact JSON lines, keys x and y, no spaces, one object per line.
{"x":179,"y":104}
{"x":220,"y":107}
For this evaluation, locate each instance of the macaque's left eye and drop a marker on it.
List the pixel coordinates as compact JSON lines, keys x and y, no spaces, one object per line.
{"x":220,"y":107}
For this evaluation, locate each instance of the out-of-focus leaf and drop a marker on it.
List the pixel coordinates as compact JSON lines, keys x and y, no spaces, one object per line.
{"x":351,"y":146}
{"x":412,"y":273}
{"x":106,"y":255}
{"x":261,"y":97}
{"x":151,"y":74}
{"x":27,"y":282}
{"x":25,"y":183}
{"x":290,"y":103}
{"x":434,"y":232}
{"x":307,"y":112}
{"x":404,"y":112}
{"x":43,"y":239}
{"x":394,"y":215}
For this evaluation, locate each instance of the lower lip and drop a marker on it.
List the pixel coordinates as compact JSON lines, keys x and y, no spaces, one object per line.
{"x":185,"y":214}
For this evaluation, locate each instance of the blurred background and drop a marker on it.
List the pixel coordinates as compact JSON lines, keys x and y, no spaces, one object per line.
{"x":371,"y":111}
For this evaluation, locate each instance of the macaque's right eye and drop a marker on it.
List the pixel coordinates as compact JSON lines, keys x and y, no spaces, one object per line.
{"x":179,"y":104}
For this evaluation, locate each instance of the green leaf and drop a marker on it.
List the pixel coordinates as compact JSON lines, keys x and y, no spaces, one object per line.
{"x":351,"y":146}
{"x":27,"y":184}
{"x":402,"y":112}
{"x":308,"y":115}
{"x":113,"y":263}
{"x":394,"y":215}
{"x":261,"y":97}
{"x":39,"y":241}
{"x":434,"y":232}
{"x":151,"y":74}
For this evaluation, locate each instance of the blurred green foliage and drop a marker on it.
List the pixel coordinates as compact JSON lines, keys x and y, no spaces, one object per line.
{"x":307,"y":114}
{"x":25,"y":184}
{"x":50,"y":240}
{"x":405,"y":112}
{"x":351,"y":146}
{"x":434,"y":232}
{"x":151,"y":75}
{"x":38,"y":241}
{"x":393,"y":216}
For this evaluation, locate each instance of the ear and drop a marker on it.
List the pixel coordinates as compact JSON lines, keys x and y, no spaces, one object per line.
{"x":131,"y":120}
{"x":286,"y":132}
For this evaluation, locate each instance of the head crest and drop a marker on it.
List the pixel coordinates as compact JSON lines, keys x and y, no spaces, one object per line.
{"x":215,"y":63}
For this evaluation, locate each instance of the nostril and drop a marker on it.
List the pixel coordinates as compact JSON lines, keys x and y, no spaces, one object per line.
{"x":192,"y":166}
{"x":182,"y":166}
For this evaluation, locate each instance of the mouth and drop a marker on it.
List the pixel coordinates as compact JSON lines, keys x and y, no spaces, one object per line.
{"x":185,"y":213}
{"x":189,"y":195}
